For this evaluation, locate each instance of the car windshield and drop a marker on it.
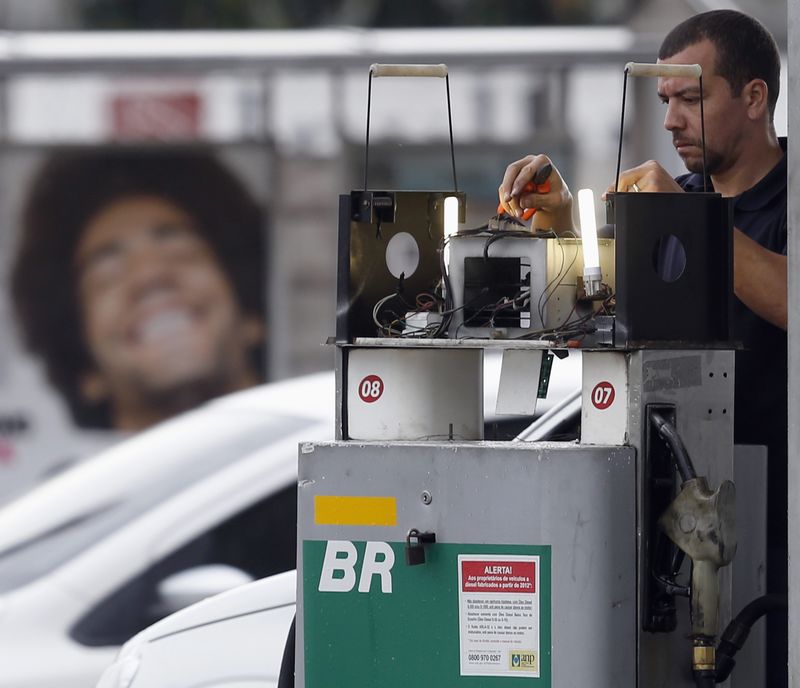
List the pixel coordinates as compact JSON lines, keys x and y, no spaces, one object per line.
{"x":28,"y":559}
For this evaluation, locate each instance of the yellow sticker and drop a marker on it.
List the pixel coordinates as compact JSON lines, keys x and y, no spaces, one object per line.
{"x":332,"y":510}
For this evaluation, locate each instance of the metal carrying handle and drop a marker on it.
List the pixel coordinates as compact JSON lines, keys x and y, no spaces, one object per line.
{"x":437,"y":70}
{"x":434,"y":70}
{"x":688,"y":71}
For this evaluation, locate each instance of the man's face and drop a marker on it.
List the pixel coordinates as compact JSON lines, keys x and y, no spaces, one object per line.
{"x":160,"y":317}
{"x":725,"y":112}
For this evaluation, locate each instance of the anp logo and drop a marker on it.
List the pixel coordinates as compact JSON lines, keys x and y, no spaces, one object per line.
{"x":523,"y":661}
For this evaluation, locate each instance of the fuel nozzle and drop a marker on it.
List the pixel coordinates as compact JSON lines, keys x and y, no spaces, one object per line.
{"x":701,"y":522}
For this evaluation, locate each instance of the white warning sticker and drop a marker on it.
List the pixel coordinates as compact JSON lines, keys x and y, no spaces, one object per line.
{"x":498,"y":613}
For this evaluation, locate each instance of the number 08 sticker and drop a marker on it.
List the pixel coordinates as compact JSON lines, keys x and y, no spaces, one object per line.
{"x":603,"y":395}
{"x":370,"y":389}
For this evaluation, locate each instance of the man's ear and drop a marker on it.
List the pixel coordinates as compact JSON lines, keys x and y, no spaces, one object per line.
{"x":755,"y":95}
{"x":93,"y":387}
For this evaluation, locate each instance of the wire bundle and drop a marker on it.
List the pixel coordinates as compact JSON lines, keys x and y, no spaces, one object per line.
{"x":440,"y":300}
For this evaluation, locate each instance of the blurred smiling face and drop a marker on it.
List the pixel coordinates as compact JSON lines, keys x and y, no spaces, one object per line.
{"x":160,"y":317}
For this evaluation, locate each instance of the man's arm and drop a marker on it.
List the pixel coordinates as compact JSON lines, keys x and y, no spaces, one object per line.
{"x":760,"y":279}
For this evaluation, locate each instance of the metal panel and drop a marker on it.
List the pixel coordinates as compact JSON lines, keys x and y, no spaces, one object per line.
{"x":414,"y":394}
{"x":749,"y":565}
{"x":519,"y":377}
{"x":699,"y":383}
{"x":578,"y":500}
{"x":604,"y":403}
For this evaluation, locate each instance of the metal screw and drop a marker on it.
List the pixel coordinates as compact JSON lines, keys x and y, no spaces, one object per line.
{"x":427,"y":498}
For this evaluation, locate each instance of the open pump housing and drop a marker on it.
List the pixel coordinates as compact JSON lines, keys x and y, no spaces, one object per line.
{"x":429,"y":556}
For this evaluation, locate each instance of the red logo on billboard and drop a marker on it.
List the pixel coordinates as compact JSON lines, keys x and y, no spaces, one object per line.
{"x":370,"y":389}
{"x":603,"y":395}
{"x":6,"y":451}
{"x":156,"y":116}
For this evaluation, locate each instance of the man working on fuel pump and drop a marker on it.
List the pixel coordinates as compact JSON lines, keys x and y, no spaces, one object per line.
{"x":745,"y":160}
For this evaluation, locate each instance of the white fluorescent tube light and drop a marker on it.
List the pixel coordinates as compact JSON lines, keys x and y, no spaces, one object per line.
{"x":450,"y":224}
{"x":592,"y":275}
{"x":450,"y":215}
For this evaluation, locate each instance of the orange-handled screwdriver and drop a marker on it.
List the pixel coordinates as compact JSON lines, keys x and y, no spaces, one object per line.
{"x":540,"y":184}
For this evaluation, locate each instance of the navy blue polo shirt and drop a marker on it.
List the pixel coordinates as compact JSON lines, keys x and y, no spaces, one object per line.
{"x":761,"y":368}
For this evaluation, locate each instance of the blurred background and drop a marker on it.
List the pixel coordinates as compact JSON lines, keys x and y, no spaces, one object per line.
{"x":275,"y":93}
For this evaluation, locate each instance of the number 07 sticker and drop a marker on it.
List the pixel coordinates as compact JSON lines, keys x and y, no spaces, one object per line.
{"x":603,"y":395}
{"x":370,"y":389}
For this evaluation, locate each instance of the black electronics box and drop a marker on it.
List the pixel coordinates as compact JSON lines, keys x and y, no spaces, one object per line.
{"x":674,"y":268}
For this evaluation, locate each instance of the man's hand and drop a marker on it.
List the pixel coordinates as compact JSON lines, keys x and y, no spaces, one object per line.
{"x":649,"y":176}
{"x":554,"y":207}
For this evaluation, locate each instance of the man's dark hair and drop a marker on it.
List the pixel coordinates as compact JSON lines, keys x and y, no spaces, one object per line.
{"x":745,"y":49}
{"x":69,"y":189}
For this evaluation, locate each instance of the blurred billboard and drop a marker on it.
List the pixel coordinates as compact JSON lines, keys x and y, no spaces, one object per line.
{"x":281,"y":116}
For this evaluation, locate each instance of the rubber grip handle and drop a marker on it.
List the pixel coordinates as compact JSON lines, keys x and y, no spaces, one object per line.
{"x":439,"y":70}
{"x":691,"y":71}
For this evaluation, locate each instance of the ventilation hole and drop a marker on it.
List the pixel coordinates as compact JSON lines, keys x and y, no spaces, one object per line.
{"x":402,"y":255}
{"x":669,"y":258}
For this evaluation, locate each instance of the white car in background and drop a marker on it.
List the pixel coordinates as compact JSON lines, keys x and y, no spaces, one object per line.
{"x":233,"y":640}
{"x":188,"y":509}
{"x":237,"y":639}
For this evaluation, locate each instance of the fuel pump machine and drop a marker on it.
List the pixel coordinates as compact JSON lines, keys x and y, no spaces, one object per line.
{"x":430,"y":556}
